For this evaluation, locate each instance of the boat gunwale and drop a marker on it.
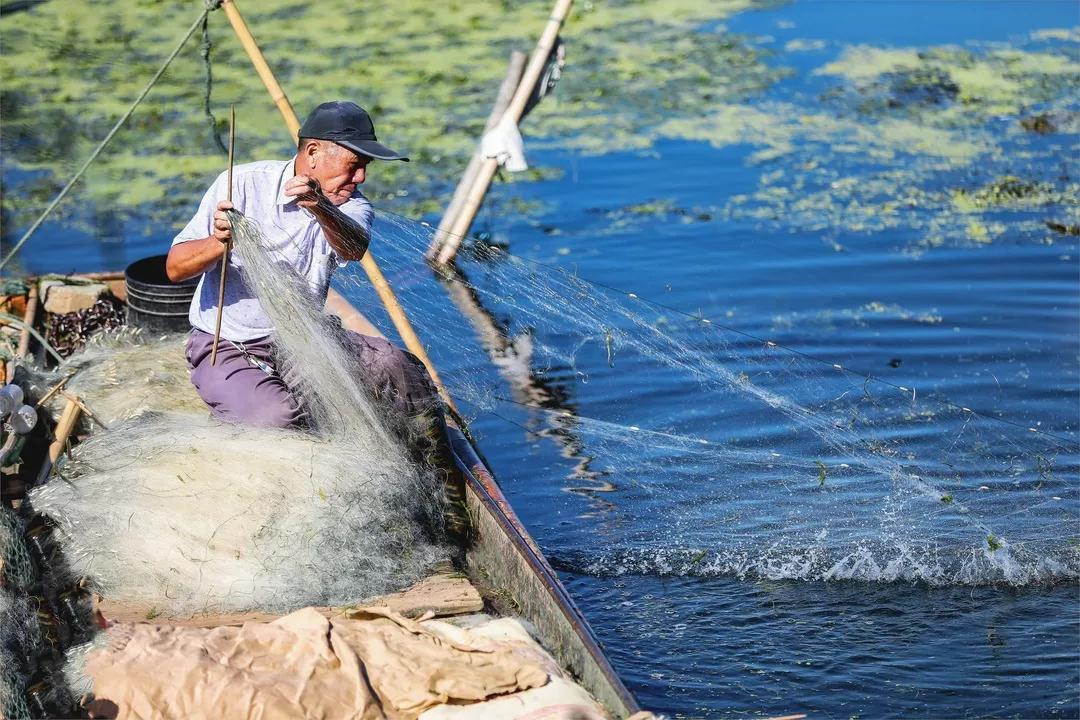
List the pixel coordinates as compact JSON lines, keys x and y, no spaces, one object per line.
{"x":483,"y":484}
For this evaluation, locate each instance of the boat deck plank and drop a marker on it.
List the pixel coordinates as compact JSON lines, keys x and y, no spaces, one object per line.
{"x":443,"y":594}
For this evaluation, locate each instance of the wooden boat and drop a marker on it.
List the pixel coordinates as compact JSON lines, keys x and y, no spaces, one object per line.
{"x":503,"y":554}
{"x":503,"y":562}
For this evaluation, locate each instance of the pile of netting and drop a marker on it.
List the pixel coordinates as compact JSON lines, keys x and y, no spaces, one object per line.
{"x":44,"y":614}
{"x":122,"y":374}
{"x":172,"y":509}
{"x":192,"y":515}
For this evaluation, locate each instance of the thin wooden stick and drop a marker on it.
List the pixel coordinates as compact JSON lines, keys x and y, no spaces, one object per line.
{"x":86,"y":410}
{"x":54,"y":389}
{"x":461,"y":224}
{"x":23,"y":347}
{"x":382,"y":287}
{"x":228,"y":245}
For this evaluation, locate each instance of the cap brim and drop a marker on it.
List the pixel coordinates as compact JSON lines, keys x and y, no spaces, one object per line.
{"x":372,"y":148}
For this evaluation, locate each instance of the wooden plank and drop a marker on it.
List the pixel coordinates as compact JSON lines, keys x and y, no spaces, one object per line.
{"x":443,"y":594}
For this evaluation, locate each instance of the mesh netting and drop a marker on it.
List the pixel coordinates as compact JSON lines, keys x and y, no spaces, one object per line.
{"x":819,"y":472}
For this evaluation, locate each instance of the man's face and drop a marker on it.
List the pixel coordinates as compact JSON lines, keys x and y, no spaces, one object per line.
{"x":339,"y":170}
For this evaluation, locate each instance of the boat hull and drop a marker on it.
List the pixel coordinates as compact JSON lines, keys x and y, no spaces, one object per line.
{"x":502,"y":555}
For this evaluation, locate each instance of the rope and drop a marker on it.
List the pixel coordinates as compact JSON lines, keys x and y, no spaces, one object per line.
{"x":204,"y":51}
{"x":101,"y":146}
{"x":866,"y":377}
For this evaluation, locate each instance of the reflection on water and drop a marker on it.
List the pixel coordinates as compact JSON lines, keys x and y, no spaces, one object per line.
{"x":548,"y":389}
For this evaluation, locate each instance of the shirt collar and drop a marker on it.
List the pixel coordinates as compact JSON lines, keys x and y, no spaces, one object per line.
{"x":286,"y":173}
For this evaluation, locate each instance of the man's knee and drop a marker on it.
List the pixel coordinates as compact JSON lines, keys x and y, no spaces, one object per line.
{"x":276,"y":411}
{"x":387,"y":367}
{"x":237,"y":392}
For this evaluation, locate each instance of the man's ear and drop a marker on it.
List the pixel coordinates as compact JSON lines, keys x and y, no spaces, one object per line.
{"x":311,"y":148}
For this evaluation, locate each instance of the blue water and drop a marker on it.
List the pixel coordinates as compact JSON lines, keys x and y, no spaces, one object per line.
{"x":723,"y":574}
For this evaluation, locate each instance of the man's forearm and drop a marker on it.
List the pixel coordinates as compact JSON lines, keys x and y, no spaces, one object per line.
{"x":348,"y":238}
{"x":191,"y":258}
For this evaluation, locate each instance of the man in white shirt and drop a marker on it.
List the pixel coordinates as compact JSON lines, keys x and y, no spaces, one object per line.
{"x":315,"y":218}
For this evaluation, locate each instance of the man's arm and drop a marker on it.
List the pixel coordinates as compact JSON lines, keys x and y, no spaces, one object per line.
{"x":188,"y":259}
{"x":348,"y":238}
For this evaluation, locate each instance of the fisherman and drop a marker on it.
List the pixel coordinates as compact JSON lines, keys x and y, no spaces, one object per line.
{"x":315,"y":218}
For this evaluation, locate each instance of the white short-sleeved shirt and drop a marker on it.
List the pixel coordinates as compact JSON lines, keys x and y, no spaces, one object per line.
{"x":293,"y":236}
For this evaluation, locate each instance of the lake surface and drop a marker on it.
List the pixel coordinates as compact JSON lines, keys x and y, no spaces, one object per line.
{"x":749,"y":529}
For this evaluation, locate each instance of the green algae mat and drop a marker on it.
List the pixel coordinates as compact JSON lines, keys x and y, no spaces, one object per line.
{"x":428,"y":72}
{"x":934,"y":139}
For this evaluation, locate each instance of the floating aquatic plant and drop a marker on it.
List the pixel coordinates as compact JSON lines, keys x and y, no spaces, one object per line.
{"x":427,"y":72}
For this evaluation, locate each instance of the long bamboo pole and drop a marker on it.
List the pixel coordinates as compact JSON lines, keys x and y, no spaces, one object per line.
{"x":378,"y":280}
{"x":513,"y":112}
{"x":228,"y":245}
{"x":502,"y":101}
{"x":261,"y":67}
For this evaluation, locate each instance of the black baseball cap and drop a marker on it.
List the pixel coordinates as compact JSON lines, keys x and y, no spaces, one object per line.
{"x":349,"y":125}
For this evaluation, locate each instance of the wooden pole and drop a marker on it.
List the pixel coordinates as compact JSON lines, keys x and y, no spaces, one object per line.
{"x":228,"y":245}
{"x":460,"y":228}
{"x":261,"y":67}
{"x":487,"y":169}
{"x":53,"y":390}
{"x":29,"y":314}
{"x":64,"y":427}
{"x":86,"y":410}
{"x":502,"y":101}
{"x":378,"y":280}
{"x":28,"y":321}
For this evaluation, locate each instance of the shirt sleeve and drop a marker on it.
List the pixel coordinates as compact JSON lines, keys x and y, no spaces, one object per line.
{"x":201,"y":225}
{"x":360,"y":210}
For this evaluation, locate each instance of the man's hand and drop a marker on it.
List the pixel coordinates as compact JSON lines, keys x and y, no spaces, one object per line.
{"x":222,"y":226}
{"x":306,"y":190}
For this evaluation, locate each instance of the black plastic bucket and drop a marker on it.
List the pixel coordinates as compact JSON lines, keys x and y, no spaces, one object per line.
{"x":154,"y":302}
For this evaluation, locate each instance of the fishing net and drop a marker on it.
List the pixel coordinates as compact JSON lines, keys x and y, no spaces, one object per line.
{"x":774,"y":465}
{"x":171,"y":508}
{"x":20,"y":641}
{"x":191,"y":515}
{"x":40,"y":616}
{"x":123,"y":373}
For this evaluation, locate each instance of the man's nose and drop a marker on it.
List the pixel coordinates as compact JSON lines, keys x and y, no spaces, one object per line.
{"x":359,"y":176}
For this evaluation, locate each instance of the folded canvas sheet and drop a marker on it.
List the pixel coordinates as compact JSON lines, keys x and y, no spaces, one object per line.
{"x":369,"y":664}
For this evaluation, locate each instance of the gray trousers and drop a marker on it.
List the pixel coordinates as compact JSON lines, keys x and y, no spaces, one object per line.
{"x":237,"y":390}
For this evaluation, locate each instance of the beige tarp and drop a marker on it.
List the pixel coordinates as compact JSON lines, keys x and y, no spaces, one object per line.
{"x":369,"y":664}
